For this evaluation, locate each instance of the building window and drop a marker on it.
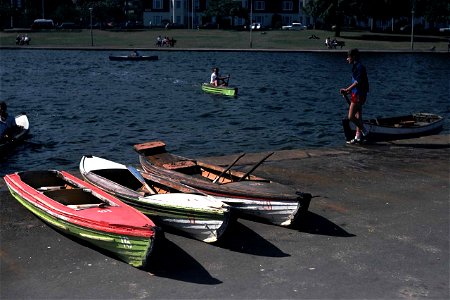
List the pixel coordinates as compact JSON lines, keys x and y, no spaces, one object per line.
{"x":260,"y":5}
{"x":288,"y":5}
{"x":157,"y":20}
{"x":157,"y":4}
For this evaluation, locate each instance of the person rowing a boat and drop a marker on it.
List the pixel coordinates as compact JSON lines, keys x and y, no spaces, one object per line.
{"x":7,"y":122}
{"x":358,"y":89}
{"x":216,"y":80}
{"x":135,"y":53}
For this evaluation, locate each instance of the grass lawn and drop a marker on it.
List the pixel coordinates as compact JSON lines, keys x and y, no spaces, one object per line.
{"x":227,"y":39}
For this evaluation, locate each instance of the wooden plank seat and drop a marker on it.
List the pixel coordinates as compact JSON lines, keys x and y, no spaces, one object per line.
{"x":151,"y":148}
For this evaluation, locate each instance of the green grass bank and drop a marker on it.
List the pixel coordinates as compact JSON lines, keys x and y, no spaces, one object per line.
{"x":226,"y":40}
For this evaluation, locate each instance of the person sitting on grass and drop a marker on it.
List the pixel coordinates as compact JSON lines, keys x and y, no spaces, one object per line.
{"x":216,"y":80}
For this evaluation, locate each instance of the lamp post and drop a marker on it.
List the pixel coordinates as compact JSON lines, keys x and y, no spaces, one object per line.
{"x":173,"y":11}
{"x":92,"y":36}
{"x":251,"y":22}
{"x":412,"y":29}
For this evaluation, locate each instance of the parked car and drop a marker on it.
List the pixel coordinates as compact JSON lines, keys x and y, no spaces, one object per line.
{"x":294,"y":26}
{"x":42,"y":24}
{"x":445,"y":29}
{"x":256,"y":26}
{"x":133,"y":25}
{"x":68,"y":25}
{"x":209,"y":26}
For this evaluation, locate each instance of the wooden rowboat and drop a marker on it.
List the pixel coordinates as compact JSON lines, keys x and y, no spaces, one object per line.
{"x":17,"y":135}
{"x":84,"y":211}
{"x":222,"y":90}
{"x":396,"y":128}
{"x":203,"y":217}
{"x":132,"y":58}
{"x":245,"y":193}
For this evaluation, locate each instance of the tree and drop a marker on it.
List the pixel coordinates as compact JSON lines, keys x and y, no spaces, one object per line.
{"x":314,"y":8}
{"x":103,"y":10}
{"x":433,"y":11}
{"x":220,"y":9}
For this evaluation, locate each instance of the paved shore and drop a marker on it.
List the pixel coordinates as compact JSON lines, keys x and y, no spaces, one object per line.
{"x":378,"y":227}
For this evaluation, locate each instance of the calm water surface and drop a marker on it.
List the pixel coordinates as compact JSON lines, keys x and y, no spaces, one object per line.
{"x":79,"y":102}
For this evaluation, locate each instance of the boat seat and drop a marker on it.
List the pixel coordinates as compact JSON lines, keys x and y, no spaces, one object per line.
{"x":182,"y":164}
{"x":51,"y":188}
{"x":188,"y":167}
{"x":150,"y":148}
{"x":407,"y":123}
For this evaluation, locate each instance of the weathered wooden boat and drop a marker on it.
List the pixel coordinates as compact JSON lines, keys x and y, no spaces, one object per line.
{"x":247,"y":194}
{"x":222,"y":90}
{"x":396,"y":128}
{"x":201,"y":216}
{"x":133,"y":58}
{"x":16,"y":135}
{"x":84,"y":211}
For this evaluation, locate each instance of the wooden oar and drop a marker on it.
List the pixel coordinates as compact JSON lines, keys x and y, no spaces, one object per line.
{"x":255,"y":166}
{"x":226,"y":80}
{"x":229,"y":167}
{"x":139,"y":177}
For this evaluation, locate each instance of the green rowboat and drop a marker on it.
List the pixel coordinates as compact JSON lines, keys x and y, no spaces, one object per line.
{"x":221,"y":90}
{"x":82,"y":210}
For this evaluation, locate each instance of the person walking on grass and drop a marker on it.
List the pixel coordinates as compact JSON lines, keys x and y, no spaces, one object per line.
{"x":358,"y":89}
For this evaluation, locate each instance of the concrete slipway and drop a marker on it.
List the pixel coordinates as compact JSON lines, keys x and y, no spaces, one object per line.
{"x":378,"y":228}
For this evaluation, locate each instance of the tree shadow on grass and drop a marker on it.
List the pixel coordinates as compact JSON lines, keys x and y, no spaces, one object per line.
{"x":394,"y":38}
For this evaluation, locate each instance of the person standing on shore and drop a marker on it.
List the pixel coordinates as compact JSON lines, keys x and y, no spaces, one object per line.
{"x":358,"y":89}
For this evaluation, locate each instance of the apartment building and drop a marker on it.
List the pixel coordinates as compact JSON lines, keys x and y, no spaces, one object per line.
{"x":190,"y":13}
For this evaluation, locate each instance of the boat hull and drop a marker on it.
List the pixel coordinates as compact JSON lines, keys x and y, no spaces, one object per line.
{"x":132,"y":243}
{"x":221,"y":90}
{"x":255,"y":196}
{"x":18,"y":136}
{"x":200,"y":216}
{"x":397,"y":128}
{"x":132,"y":58}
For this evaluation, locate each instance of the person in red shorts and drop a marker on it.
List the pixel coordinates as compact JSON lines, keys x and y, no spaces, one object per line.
{"x":358,"y":89}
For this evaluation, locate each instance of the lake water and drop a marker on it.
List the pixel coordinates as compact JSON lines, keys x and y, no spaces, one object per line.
{"x":79,"y":102}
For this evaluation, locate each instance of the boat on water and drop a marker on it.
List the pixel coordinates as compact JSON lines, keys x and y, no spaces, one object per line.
{"x":222,"y":90}
{"x":247,"y":194}
{"x":396,"y":128}
{"x":17,"y":135}
{"x":84,"y":211}
{"x":133,"y":58}
{"x":182,"y":208}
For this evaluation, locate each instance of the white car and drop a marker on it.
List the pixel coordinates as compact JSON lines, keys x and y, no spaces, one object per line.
{"x":294,"y":26}
{"x":256,"y":26}
{"x":444,"y":29}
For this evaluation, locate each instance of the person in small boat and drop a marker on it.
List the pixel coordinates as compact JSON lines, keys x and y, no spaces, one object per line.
{"x":7,"y":122}
{"x":358,"y":90}
{"x":216,"y":80}
{"x":135,"y":53}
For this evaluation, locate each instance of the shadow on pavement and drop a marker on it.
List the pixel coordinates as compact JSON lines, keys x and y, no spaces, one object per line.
{"x":181,"y":266}
{"x":316,"y":224}
{"x":240,"y":238}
